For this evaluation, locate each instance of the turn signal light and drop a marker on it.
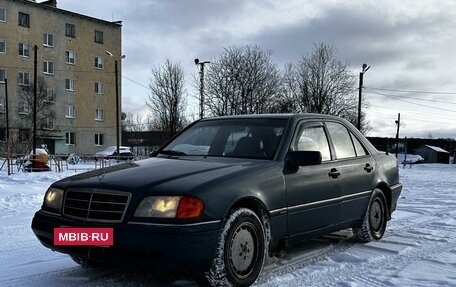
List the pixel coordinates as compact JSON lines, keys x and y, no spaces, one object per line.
{"x":190,"y":207}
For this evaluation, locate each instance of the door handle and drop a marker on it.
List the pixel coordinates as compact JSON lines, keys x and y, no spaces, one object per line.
{"x":334,"y":173}
{"x":368,"y":168}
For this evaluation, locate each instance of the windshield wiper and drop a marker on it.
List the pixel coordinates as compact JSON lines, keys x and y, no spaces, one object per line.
{"x":171,"y":152}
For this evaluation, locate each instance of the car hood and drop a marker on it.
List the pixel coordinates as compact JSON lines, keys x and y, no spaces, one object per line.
{"x":162,"y":174}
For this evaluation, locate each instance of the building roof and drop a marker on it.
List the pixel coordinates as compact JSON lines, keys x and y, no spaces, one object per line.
{"x":52,"y":5}
{"x":435,"y":148}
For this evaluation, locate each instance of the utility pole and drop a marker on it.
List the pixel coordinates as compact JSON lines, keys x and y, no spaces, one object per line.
{"x":398,"y":123}
{"x":116,"y":72}
{"x":201,"y":72}
{"x":35,"y":65}
{"x":405,"y":152}
{"x":365,"y":67}
{"x":7,"y":113}
{"x":8,"y":151}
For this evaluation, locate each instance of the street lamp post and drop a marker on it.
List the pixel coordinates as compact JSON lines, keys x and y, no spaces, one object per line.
{"x":117,"y":101}
{"x":365,"y":67}
{"x":197,"y":62}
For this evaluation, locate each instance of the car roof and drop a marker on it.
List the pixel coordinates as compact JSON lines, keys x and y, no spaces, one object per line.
{"x":275,"y":116}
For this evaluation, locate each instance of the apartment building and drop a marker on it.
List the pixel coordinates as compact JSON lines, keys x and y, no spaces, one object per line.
{"x":76,"y":102}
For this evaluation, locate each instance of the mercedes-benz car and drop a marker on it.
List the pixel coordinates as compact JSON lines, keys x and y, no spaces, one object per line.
{"x":224,"y":194}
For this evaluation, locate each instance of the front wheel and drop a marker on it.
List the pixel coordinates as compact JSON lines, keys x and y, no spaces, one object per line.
{"x":241,"y":251}
{"x":374,"y":223}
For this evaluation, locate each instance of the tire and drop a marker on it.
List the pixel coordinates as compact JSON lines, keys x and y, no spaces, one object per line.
{"x":88,"y":263}
{"x":241,"y":251}
{"x":374,"y":222}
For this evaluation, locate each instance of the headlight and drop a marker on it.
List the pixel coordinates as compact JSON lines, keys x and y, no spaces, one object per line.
{"x":170,"y":207}
{"x":53,"y":198}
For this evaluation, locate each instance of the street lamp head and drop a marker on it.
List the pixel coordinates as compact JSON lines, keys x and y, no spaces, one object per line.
{"x":365,"y":67}
{"x":123,"y":56}
{"x":197,"y":61}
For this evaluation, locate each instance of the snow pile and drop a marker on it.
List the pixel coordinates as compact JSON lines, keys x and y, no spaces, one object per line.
{"x":411,"y":158}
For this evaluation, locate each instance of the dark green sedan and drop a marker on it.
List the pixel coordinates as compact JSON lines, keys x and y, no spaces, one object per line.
{"x":222,"y":195}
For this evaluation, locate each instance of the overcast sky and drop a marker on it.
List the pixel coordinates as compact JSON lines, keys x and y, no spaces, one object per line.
{"x":410,"y":46}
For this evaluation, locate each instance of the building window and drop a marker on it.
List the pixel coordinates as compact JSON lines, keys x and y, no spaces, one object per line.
{"x":69,"y":111}
{"x":24,"y":79}
{"x":70,"y":30}
{"x":50,"y":95}
{"x":24,"y":50}
{"x":48,"y":124}
{"x":99,"y":63}
{"x":23,"y":108}
{"x":69,"y":57}
{"x":98,"y":37}
{"x":24,"y":19}
{"x":2,"y":75}
{"x":2,"y":135}
{"x":48,"y":67}
{"x":2,"y":46}
{"x":48,"y":40}
{"x":69,"y":84}
{"x":2,"y":15}
{"x":99,"y":88}
{"x":70,"y":138}
{"x":2,"y":106}
{"x":24,"y":135}
{"x":98,"y":139}
{"x":99,"y":115}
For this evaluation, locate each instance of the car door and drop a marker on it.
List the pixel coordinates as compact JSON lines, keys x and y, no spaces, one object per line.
{"x":357,"y":169}
{"x":312,"y":191}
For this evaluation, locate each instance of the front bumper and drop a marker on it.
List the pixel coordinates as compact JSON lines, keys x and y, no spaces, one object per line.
{"x":187,"y":246}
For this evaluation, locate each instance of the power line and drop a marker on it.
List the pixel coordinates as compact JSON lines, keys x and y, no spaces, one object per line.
{"x":410,"y":102}
{"x":414,"y":98}
{"x":444,"y":120}
{"x":411,"y":91}
{"x":133,"y":81}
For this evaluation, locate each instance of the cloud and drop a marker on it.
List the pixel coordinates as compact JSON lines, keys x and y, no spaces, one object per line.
{"x":408,"y":44}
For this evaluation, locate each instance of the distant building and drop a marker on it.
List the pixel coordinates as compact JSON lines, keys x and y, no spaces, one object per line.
{"x":78,"y":74}
{"x":144,"y":142}
{"x":433,"y":154}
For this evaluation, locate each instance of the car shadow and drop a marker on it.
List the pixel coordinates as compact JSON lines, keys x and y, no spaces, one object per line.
{"x":295,"y":257}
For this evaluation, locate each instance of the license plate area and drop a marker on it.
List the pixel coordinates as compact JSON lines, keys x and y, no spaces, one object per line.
{"x":82,"y":236}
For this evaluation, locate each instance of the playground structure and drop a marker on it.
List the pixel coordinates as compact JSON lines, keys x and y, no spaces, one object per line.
{"x":15,"y":162}
{"x":17,"y":156}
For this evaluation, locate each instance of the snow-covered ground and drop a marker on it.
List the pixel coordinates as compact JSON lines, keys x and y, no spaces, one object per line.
{"x":419,"y":248}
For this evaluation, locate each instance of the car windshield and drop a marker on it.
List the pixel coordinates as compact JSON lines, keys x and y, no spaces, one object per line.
{"x":241,"y":138}
{"x":110,"y":149}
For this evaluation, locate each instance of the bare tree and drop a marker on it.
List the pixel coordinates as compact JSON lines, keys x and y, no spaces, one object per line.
{"x":167,"y":98}
{"x":134,"y":123}
{"x":45,"y":112}
{"x":241,"y":81}
{"x":320,"y":83}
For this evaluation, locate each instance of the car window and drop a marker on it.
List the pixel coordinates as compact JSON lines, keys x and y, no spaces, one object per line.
{"x":313,"y":138}
{"x":246,"y":138}
{"x":341,"y":140}
{"x":360,"y":150}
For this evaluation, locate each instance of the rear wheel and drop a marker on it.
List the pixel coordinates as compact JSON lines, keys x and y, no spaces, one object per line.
{"x":374,"y":223}
{"x":240,"y":252}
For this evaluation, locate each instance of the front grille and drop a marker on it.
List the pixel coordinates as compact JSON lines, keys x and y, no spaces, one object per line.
{"x":96,"y":205}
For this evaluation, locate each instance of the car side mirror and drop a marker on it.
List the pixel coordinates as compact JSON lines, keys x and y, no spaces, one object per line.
{"x":304,"y":158}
